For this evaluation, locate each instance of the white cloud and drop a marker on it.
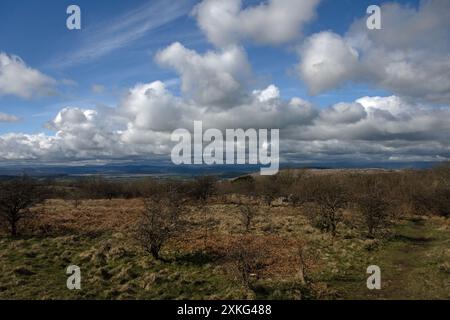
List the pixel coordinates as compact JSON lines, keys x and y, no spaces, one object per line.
{"x":410,"y":56}
{"x":379,"y":119}
{"x":217,"y":89}
{"x":369,"y":129}
{"x":212,"y":79}
{"x":103,"y":38}
{"x":344,"y":113}
{"x":327,"y":61}
{"x":4,"y":117}
{"x":270,"y":93}
{"x":97,"y":88}
{"x":18,"y":79}
{"x":151,"y":107}
{"x":274,"y":22}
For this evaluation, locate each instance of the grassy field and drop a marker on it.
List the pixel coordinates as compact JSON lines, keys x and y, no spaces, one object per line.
{"x":98,"y":236}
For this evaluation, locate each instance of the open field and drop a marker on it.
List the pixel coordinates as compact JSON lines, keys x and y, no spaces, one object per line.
{"x":295,"y":258}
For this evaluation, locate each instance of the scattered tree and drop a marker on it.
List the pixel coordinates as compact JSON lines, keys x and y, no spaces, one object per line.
{"x":203,"y":188}
{"x":248,"y":213}
{"x":17,"y":197}
{"x":160,"y":222}
{"x":268,"y":188}
{"x":329,"y":198}
{"x":375,"y":210}
{"x":248,"y":258}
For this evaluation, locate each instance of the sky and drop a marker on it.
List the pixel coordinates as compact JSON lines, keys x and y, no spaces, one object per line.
{"x":137,"y":70}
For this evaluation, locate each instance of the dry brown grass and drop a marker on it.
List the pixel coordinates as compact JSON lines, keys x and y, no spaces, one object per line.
{"x":90,"y":217}
{"x":279,"y":229}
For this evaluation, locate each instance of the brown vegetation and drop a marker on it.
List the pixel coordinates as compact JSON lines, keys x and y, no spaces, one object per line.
{"x":255,"y":229}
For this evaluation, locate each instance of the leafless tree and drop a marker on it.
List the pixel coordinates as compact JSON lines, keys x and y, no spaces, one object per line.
{"x":329,"y":198}
{"x":203,"y":188}
{"x":268,"y":188}
{"x":248,"y":258}
{"x":160,"y":222}
{"x":17,"y":197}
{"x":248,"y":213}
{"x":375,"y":210}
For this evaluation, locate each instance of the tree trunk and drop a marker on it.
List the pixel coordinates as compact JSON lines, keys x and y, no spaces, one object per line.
{"x":154,"y":250}
{"x":14,"y":229}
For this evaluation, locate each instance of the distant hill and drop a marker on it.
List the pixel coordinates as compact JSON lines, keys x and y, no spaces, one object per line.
{"x":165,"y":169}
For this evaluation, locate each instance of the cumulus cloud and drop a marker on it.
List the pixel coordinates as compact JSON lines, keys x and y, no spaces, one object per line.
{"x":18,"y":79}
{"x":410,"y":56}
{"x":142,"y":123}
{"x":327,"y":61}
{"x":368,"y":129}
{"x":215,"y":78}
{"x":344,"y":113}
{"x":274,"y":22}
{"x":150,"y":108}
{"x":4,"y":117}
{"x":379,"y":119}
{"x":217,"y":89}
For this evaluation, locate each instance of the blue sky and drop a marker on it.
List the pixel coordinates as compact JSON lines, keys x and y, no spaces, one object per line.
{"x":379,"y":94}
{"x":36,"y":32}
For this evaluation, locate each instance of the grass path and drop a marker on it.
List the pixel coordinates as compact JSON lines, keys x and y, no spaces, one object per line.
{"x":414,"y":264}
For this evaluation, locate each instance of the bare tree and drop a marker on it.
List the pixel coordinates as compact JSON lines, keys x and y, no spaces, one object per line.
{"x":329,"y":197}
{"x":160,"y":222}
{"x":373,"y":197}
{"x":248,"y":213}
{"x":375,"y":210}
{"x":17,"y":197}
{"x":203,"y":188}
{"x":268,"y":188}
{"x":248,"y":258}
{"x":75,"y":196}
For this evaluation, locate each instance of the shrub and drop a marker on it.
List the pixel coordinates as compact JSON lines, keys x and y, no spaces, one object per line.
{"x":328,"y":197}
{"x":375,"y":210}
{"x":248,"y":213}
{"x":248,"y":258}
{"x":17,"y":197}
{"x":203,"y":188}
{"x":160,"y":222}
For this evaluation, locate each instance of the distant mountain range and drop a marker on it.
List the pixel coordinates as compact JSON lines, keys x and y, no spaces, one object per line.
{"x":165,"y":169}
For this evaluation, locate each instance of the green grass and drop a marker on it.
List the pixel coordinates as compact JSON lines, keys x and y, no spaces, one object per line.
{"x":35,"y":269}
{"x":414,"y":263}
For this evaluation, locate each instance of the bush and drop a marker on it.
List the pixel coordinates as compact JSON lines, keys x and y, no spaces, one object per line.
{"x":328,"y":198}
{"x":375,"y":210}
{"x":160,"y":222}
{"x":203,"y":188}
{"x":248,"y":258}
{"x":248,"y":213}
{"x":17,"y":197}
